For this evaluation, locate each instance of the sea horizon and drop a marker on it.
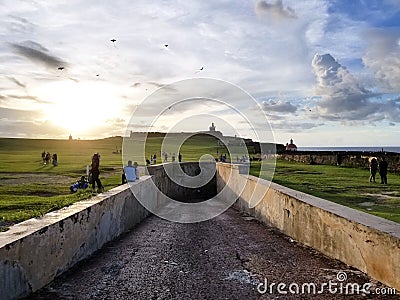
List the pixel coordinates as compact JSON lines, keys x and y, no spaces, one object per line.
{"x":395,"y":149}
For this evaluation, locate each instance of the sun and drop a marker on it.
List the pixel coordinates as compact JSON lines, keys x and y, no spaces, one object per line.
{"x":80,"y":107}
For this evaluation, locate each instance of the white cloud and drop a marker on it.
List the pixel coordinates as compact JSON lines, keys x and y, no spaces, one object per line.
{"x":274,"y":10}
{"x":295,"y":126}
{"x":343,"y":93}
{"x":383,"y":57}
{"x":263,"y":46}
{"x":344,"y":96}
{"x":278,"y":106}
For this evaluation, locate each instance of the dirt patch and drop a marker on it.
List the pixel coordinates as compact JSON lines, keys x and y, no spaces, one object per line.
{"x":301,"y":172}
{"x":366,"y":204}
{"x":43,"y":193}
{"x":382,"y":198}
{"x":32,"y":178}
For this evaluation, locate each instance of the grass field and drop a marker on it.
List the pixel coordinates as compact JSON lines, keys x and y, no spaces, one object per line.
{"x":343,"y":185}
{"x":28,"y":188}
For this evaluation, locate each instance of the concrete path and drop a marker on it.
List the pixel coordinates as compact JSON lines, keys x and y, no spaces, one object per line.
{"x":224,"y":258}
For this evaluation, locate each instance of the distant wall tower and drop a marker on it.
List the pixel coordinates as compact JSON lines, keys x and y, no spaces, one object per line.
{"x":212,"y":127}
{"x":291,"y":146}
{"x":70,"y":137}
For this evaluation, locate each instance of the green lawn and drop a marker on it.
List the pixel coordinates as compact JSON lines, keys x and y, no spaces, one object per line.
{"x":346,"y":186}
{"x":30,"y":189}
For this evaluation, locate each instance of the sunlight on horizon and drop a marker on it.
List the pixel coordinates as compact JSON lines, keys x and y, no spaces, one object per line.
{"x":80,"y":107}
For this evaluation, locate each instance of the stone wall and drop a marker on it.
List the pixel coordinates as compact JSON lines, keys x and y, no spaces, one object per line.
{"x":347,"y":159}
{"x":179,"y":192}
{"x":366,"y":242}
{"x":34,"y":252}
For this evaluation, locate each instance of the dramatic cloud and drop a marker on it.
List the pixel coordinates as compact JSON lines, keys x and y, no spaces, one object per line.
{"x":274,"y":10}
{"x":37,"y":53}
{"x":392,"y":110}
{"x":383,"y":57}
{"x":278,"y":106}
{"x":263,"y":46}
{"x":345,"y":98}
{"x":343,"y":93}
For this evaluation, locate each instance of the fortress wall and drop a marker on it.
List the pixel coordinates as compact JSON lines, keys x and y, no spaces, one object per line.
{"x":366,"y":242}
{"x":346,"y":159}
{"x":179,"y":192}
{"x":34,"y":252}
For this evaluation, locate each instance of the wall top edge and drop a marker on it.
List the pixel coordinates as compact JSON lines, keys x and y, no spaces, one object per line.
{"x":25,"y":228}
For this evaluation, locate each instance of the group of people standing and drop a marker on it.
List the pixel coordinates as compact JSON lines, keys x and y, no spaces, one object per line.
{"x":46,"y":157}
{"x":173,"y":157}
{"x":153,"y":158}
{"x":374,"y":166}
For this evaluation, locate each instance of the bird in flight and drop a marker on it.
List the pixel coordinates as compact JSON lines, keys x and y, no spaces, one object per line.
{"x":201,"y":69}
{"x":60,"y":68}
{"x":166,"y":45}
{"x":113,"y":40}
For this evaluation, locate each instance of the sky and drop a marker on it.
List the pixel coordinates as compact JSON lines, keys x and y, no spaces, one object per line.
{"x":325,"y":73}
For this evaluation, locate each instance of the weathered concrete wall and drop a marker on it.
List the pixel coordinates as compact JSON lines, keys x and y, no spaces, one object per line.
{"x":179,"y":192}
{"x":34,"y":252}
{"x":369,"y":243}
{"x":347,"y":159}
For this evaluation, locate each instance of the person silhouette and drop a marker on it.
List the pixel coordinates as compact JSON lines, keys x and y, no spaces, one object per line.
{"x":383,"y":167}
{"x":95,"y":171}
{"x":373,"y":168}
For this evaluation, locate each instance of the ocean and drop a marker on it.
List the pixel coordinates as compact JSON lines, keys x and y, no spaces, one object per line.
{"x":367,"y":149}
